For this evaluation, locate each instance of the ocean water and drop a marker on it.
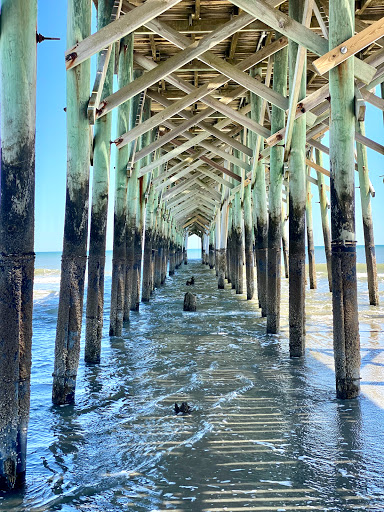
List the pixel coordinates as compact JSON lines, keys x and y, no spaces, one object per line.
{"x":266,"y":433}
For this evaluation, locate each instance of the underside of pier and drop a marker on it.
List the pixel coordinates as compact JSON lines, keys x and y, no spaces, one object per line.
{"x":225,"y":110}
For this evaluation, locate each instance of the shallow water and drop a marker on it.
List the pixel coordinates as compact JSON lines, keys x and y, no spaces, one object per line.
{"x":266,"y":432}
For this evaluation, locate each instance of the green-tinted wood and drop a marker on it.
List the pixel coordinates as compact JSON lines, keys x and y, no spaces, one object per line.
{"x":297,"y":200}
{"x":99,"y":210}
{"x":310,"y":239}
{"x":366,"y":210}
{"x":67,"y":348}
{"x":17,"y":197}
{"x":124,"y":122}
{"x":344,"y":285}
{"x":324,"y":216}
{"x":276,"y":173}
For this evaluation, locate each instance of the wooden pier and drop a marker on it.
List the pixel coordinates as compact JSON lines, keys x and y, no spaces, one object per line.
{"x":222,"y":107}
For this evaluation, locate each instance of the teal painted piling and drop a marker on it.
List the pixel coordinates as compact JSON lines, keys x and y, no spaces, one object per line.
{"x":17,"y":198}
{"x":69,"y":320}
{"x":344,"y":281}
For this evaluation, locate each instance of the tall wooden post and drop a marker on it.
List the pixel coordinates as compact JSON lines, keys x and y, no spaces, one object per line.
{"x":344,"y":285}
{"x":248,"y":243}
{"x":366,"y":210}
{"x":212,"y":247}
{"x":149,"y":245}
{"x":222,"y":256}
{"x":237,"y":237}
{"x":99,"y":210}
{"x":142,"y":184}
{"x":172,"y":250}
{"x":17,"y":200}
{"x":284,"y":238}
{"x":124,"y":124}
{"x":67,"y":348}
{"x":324,"y":216}
{"x":228,"y":270}
{"x":276,"y":174}
{"x":297,"y":199}
{"x":158,"y":246}
{"x":185,"y":254}
{"x":259,"y":203}
{"x":310,"y":240}
{"x":133,"y":193}
{"x":261,"y":235}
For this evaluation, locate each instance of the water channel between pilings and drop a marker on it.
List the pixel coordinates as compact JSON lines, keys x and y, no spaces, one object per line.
{"x":266,"y":432}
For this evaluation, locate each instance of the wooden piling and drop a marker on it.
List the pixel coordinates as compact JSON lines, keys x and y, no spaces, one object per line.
{"x":237,"y":237}
{"x":99,"y":210}
{"x":297,"y":200}
{"x":69,"y":320}
{"x":248,"y":243}
{"x":222,"y":256}
{"x":133,"y":236}
{"x":185,"y":253}
{"x":310,"y":240}
{"x":211,"y":248}
{"x":324,"y":217}
{"x":284,"y":240}
{"x":124,"y":124}
{"x":17,"y":198}
{"x":261,"y":236}
{"x":366,"y":210}
{"x":276,"y":173}
{"x":344,"y":283}
{"x":142,"y":184}
{"x":158,"y":247}
{"x":149,"y":246}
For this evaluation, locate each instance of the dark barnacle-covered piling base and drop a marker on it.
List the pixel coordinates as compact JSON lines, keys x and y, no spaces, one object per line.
{"x":226,"y":114}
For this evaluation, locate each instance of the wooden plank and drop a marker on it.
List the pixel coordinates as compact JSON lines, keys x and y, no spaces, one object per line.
{"x":343,"y":51}
{"x":167,"y":67}
{"x":205,"y":126}
{"x":119,"y":28}
{"x":294,"y":89}
{"x":298,"y":33}
{"x":360,"y":106}
{"x":317,"y":167}
{"x":372,"y":98}
{"x":364,"y":5}
{"x":171,"y":64}
{"x":233,"y":72}
{"x":101,"y":72}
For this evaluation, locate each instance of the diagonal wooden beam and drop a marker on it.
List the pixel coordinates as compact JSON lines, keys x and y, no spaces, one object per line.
{"x":197,"y":139}
{"x":177,"y":189}
{"x":364,"y":5}
{"x":201,"y":153}
{"x":102,"y":67}
{"x":219,"y":134}
{"x":196,"y":94}
{"x":343,"y":51}
{"x":297,"y":32}
{"x":233,"y":72}
{"x":294,"y":89}
{"x":115,"y":31}
{"x":172,"y":64}
{"x":210,"y":162}
{"x":177,"y":176}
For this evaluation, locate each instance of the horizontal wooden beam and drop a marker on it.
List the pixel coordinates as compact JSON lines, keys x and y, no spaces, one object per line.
{"x":343,"y":51}
{"x":115,"y":31}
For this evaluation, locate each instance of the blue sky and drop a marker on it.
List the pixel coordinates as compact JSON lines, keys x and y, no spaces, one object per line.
{"x":51,"y":143}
